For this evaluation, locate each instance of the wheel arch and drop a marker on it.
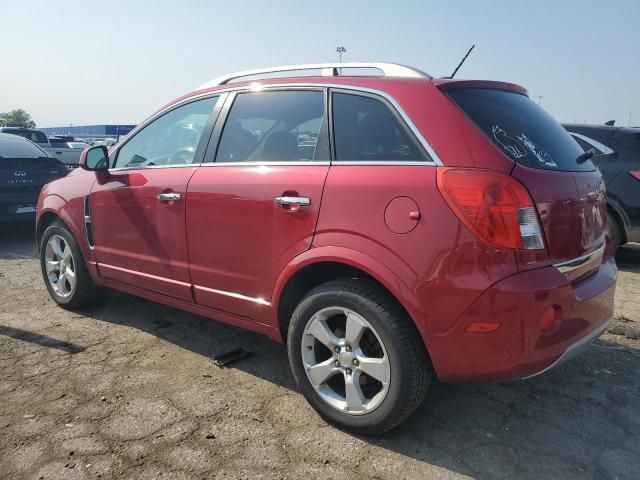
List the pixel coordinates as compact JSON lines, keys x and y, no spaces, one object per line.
{"x":323,"y":264}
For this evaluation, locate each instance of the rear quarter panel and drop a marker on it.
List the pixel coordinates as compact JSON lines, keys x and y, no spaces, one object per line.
{"x":438,"y":269}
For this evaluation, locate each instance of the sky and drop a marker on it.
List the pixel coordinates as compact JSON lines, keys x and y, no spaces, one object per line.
{"x":111,"y":61}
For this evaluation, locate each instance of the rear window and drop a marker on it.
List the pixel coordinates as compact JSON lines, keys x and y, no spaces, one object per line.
{"x":520,"y":129}
{"x":34,"y":135}
{"x":19,"y":148}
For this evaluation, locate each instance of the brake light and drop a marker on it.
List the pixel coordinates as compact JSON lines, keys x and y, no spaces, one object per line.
{"x":635,"y":174}
{"x":495,"y":206}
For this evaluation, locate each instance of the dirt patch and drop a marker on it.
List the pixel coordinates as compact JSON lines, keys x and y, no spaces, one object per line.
{"x":128,"y":390}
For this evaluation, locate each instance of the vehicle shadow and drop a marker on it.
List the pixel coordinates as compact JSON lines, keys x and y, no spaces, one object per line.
{"x":17,"y":240}
{"x":628,"y":257}
{"x":583,"y":408}
{"x":572,"y":422}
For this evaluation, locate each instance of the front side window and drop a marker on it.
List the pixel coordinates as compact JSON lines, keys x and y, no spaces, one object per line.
{"x":171,"y":139}
{"x":364,"y":129}
{"x":278,"y":126}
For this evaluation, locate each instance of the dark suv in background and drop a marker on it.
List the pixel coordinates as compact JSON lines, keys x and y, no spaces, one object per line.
{"x":617,"y":155}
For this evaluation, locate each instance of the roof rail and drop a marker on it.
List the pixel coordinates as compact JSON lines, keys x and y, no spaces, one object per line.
{"x":328,"y":70}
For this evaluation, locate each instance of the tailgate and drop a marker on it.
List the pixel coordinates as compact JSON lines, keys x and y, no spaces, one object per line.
{"x":572,"y":209}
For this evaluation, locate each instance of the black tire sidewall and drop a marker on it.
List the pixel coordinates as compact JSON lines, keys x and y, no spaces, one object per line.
{"x":613,"y":230}
{"x":385,"y":414}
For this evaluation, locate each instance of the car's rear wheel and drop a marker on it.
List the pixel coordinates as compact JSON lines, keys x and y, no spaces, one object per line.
{"x":613,"y":231}
{"x":63,"y":268}
{"x":357,"y":357}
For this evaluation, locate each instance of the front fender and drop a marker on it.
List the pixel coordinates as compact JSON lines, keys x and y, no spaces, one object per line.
{"x":356,"y":259}
{"x":71,"y":213}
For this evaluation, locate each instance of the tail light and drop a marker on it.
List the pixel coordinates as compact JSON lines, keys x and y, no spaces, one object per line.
{"x":493,"y":205}
{"x":636,"y":174}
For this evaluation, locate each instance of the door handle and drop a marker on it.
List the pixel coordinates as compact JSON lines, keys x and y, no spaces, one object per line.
{"x":169,"y":197}
{"x":292,"y":201}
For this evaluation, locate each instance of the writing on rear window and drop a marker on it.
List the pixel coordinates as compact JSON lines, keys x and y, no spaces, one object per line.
{"x":520,"y":129}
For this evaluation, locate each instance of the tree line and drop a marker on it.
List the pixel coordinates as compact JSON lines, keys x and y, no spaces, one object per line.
{"x":16,"y":118}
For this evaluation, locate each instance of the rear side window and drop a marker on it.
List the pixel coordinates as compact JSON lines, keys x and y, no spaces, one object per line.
{"x":279,"y":126}
{"x":364,"y":129}
{"x":520,"y":129}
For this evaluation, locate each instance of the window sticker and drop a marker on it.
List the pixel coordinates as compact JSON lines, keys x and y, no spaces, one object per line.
{"x":510,"y":144}
{"x":518,"y":146}
{"x":542,"y":156}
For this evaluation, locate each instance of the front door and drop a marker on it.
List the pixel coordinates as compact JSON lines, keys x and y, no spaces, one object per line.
{"x":253,"y":205}
{"x":137,"y":209}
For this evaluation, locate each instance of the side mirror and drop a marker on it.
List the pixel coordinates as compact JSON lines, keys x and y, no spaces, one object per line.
{"x":95,"y":159}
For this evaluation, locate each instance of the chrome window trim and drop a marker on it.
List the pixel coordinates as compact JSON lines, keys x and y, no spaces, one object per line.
{"x":570,"y":265}
{"x":380,"y":163}
{"x":436,"y":161}
{"x":264,"y":164}
{"x":594,"y":143}
{"x":153,"y":167}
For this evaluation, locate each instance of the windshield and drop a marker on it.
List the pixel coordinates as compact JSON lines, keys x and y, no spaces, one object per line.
{"x":520,"y":129}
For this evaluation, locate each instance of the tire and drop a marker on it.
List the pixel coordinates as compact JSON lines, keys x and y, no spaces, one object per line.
{"x":388,"y":346}
{"x":82,"y":292}
{"x":613,"y":231}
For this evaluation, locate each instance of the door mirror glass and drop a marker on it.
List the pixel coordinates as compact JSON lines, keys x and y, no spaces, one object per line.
{"x":95,"y":158}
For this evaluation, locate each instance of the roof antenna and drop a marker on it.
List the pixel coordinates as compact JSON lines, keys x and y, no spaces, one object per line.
{"x":462,"y":61}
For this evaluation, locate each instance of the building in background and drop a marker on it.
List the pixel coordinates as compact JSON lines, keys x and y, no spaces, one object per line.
{"x":93,"y":131}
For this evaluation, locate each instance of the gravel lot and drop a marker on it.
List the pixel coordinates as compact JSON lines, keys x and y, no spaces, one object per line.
{"x":128,"y":390}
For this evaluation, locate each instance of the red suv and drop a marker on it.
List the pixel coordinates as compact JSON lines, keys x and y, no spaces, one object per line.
{"x":386,"y":227}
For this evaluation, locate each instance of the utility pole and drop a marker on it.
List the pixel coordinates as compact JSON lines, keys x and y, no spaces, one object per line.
{"x":539,"y":98}
{"x":340,"y":51}
{"x":630,"y":117}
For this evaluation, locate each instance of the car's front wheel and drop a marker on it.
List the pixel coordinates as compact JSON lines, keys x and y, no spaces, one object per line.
{"x":356,"y":356}
{"x":63,"y":268}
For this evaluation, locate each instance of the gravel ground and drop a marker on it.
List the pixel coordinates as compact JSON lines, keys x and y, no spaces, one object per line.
{"x":128,"y":390}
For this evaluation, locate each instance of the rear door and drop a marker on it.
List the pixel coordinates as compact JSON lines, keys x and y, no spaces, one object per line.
{"x":138,"y":210}
{"x":569,"y":193}
{"x":254,"y":205}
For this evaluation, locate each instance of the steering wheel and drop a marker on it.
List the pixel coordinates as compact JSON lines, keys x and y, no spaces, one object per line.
{"x":181,"y":156}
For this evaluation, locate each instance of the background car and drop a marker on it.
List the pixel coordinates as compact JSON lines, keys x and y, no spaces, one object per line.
{"x":66,"y":150}
{"x":107,"y":142}
{"x":24,"y":169}
{"x":617,"y":155}
{"x":36,"y":136}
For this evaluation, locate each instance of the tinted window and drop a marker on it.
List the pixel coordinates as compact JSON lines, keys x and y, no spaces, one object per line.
{"x":34,"y":135}
{"x":274,"y":126}
{"x":19,"y":148}
{"x":520,"y":128}
{"x":171,"y":139}
{"x":57,"y":143}
{"x":365,"y":129}
{"x":584,"y":145}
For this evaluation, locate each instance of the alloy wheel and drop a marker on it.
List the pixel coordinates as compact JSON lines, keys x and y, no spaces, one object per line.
{"x":60,"y":266}
{"x":345,"y":360}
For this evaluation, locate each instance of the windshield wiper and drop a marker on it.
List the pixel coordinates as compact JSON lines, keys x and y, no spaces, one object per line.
{"x":585,"y":156}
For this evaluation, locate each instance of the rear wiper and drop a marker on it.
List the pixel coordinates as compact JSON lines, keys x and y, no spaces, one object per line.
{"x":585,"y":156}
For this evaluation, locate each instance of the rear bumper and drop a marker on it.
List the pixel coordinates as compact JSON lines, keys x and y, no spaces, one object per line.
{"x":519,"y":348}
{"x":18,"y":205}
{"x":577,"y":348}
